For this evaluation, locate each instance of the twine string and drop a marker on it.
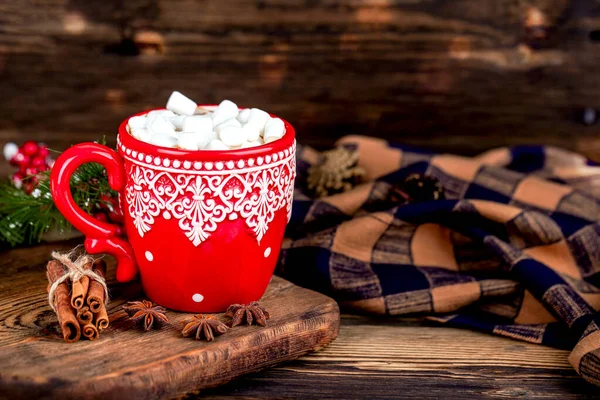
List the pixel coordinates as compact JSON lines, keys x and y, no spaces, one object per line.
{"x":74,"y":271}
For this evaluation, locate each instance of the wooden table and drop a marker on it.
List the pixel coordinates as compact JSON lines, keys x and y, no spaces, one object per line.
{"x":392,"y":358}
{"x":400,"y":358}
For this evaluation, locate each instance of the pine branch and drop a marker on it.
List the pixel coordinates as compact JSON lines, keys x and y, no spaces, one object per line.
{"x":24,"y":218}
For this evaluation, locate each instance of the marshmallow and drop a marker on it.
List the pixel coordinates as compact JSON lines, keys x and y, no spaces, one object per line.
{"x":247,"y":145}
{"x":226,"y":110}
{"x":180,"y":104}
{"x":216,"y":144}
{"x":185,"y":126}
{"x":197,"y":124}
{"x":164,"y":113}
{"x":229,"y":122}
{"x":275,"y":128}
{"x":163,"y":140}
{"x":142,"y":134}
{"x":177,"y":121}
{"x":188,"y":141}
{"x":252,"y":132}
{"x":139,"y":121}
{"x":258,"y":118}
{"x":244,"y":115}
{"x":204,"y":138}
{"x":232,"y":136}
{"x":157,"y":123}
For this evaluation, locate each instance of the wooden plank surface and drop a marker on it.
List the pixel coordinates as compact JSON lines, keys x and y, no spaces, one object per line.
{"x":126,"y":362}
{"x":396,"y":359}
{"x":459,"y":76}
{"x":372,"y":357}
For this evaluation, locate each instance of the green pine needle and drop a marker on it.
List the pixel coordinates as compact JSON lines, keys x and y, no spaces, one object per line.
{"x":24,"y":218}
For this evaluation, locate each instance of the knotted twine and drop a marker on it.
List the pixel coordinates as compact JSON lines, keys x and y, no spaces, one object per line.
{"x":74,"y":272}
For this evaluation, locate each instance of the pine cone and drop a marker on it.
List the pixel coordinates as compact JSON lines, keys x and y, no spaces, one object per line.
{"x":337,"y":173}
{"x":423,"y":188}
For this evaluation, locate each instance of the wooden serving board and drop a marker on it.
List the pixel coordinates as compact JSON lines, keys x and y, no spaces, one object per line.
{"x":126,"y":362}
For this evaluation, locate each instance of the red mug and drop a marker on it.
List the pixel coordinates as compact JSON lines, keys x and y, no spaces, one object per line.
{"x":204,"y":228}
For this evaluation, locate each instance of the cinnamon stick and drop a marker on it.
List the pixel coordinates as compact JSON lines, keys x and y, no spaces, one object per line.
{"x":95,"y":295}
{"x":101,"y":318}
{"x":79,"y":289}
{"x":62,"y":303}
{"x":84,"y":315}
{"x":90,"y":331}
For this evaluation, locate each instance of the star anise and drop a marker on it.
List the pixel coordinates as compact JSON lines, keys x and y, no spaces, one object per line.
{"x":147,"y":312}
{"x":206,"y":326}
{"x":252,"y":312}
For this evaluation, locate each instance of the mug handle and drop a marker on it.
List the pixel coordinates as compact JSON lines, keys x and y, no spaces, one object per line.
{"x":101,"y":237}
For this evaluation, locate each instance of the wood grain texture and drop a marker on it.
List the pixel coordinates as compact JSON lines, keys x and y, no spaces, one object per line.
{"x":396,"y":359}
{"x":459,"y":76}
{"x":127,"y":363}
{"x":375,"y":358}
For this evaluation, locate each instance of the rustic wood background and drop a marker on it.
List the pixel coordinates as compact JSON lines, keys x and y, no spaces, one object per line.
{"x":460,"y":76}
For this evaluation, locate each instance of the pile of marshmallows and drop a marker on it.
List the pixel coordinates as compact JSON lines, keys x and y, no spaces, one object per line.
{"x":226,"y":128}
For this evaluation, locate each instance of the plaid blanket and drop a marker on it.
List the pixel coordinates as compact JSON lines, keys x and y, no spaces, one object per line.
{"x":513,"y":250}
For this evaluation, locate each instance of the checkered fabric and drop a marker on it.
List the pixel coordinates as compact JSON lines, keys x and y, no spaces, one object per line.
{"x":513,"y":250}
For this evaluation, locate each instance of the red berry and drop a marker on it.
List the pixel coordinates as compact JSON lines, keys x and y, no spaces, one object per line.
{"x":103,"y":203}
{"x":39,"y":162}
{"x":20,"y":160}
{"x":31,"y":171}
{"x":107,"y":202}
{"x":100,"y":216}
{"x":120,"y":231}
{"x":17,"y":179}
{"x":28,"y":187}
{"x":116,"y":216}
{"x":29,"y":148}
{"x":114,"y":201}
{"x":43,"y":151}
{"x":29,"y":183}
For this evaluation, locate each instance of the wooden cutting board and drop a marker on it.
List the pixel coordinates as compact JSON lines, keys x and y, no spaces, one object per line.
{"x":126,"y":362}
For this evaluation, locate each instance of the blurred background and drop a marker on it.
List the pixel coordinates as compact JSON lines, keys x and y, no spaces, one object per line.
{"x":457,"y":76}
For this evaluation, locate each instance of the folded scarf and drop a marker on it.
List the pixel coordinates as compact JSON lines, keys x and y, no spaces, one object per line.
{"x":513,"y":249}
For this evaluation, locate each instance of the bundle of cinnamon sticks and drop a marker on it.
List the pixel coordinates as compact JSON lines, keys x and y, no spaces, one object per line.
{"x":80,"y":305}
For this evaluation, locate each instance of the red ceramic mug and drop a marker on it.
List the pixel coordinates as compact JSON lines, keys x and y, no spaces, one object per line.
{"x":204,"y":228}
